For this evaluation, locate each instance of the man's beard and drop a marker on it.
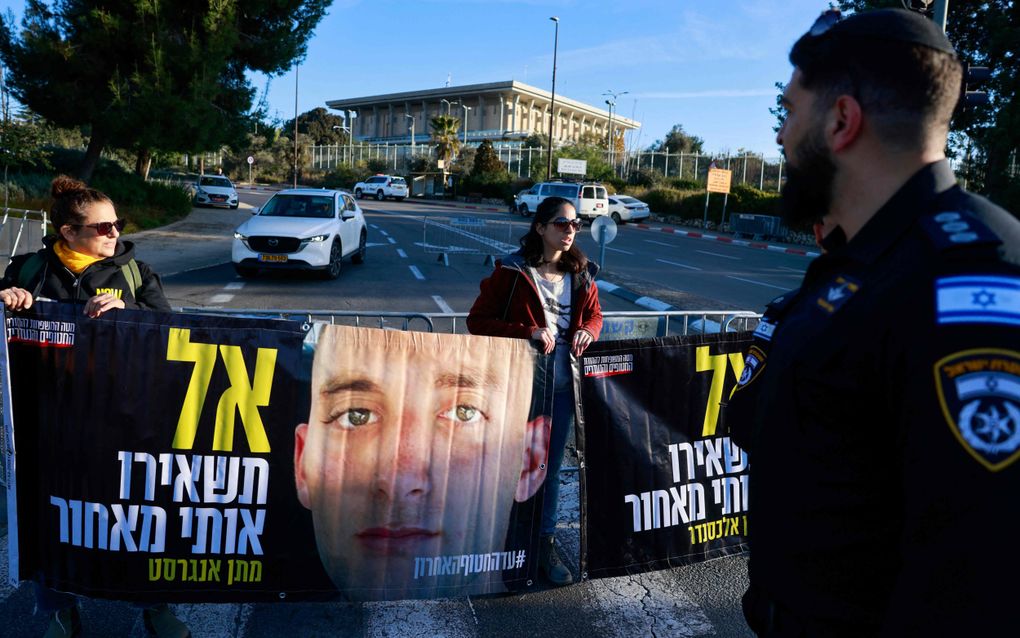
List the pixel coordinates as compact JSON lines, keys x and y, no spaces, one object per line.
{"x":807,"y":193}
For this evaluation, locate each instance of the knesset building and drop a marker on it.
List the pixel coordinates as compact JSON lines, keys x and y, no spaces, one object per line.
{"x":497,"y":111}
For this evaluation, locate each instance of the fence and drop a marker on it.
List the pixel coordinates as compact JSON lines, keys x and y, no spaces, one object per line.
{"x":752,"y":170}
{"x":465,"y":235}
{"x":21,"y":231}
{"x":616,"y":325}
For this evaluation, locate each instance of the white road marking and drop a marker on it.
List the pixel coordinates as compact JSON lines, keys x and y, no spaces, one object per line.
{"x":645,"y":605}
{"x":660,"y":243}
{"x":234,"y":285}
{"x":373,"y":245}
{"x":374,"y":226}
{"x":619,"y":250}
{"x":675,"y":263}
{"x":224,"y":298}
{"x":445,"y":307}
{"x":796,"y":270}
{"x":383,"y":232}
{"x":448,"y":618}
{"x":758,"y":283}
{"x":391,"y":240}
{"x":403,"y":255}
{"x":417,"y":273}
{"x":705,"y":252}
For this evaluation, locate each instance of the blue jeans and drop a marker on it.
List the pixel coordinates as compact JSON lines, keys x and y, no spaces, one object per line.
{"x":562,"y":420}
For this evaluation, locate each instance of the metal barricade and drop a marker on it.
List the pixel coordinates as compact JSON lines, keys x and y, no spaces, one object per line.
{"x":467,"y":235}
{"x":21,"y":231}
{"x":758,"y":227}
{"x":615,"y":325}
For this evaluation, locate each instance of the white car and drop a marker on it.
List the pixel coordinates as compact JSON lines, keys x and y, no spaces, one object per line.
{"x":215,"y":190}
{"x":381,"y":187}
{"x":301,"y":228}
{"x":589,"y":199}
{"x":623,"y":209}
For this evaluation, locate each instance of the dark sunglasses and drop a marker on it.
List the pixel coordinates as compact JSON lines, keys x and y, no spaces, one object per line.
{"x":826,"y":21}
{"x":104,"y":228}
{"x":562,"y":223}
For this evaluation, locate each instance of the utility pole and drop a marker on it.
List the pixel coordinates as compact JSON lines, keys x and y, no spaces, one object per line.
{"x":552,"y":103}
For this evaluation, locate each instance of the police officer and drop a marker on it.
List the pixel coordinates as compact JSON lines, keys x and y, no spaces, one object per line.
{"x":883,"y":396}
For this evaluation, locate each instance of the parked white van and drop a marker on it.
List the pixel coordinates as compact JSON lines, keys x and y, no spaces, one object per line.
{"x":590,"y":199}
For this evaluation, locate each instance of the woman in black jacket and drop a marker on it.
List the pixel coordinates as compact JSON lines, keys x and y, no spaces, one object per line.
{"x":86,"y":260}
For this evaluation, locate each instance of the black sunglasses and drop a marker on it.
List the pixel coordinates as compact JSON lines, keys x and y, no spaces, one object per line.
{"x":104,"y":228}
{"x":826,"y":21}
{"x":562,"y":223}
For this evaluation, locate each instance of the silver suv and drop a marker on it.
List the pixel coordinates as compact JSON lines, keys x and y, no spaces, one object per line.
{"x":381,"y":187}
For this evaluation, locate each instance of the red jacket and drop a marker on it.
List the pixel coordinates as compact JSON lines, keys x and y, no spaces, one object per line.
{"x":509,"y":304}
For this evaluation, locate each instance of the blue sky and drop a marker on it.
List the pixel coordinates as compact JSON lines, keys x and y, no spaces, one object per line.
{"x":705,"y":64}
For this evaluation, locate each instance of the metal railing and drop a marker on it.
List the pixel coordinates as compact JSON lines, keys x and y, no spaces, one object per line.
{"x":752,"y":170}
{"x":467,"y":235}
{"x":616,"y":324}
{"x":21,"y":231}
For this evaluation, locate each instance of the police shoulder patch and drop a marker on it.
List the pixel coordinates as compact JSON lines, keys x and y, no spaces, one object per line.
{"x":952,"y":229}
{"x":979,"y":391}
{"x":837,"y":293}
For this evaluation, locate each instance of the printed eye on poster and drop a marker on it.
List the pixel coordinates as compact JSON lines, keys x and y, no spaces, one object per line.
{"x":189,"y":458}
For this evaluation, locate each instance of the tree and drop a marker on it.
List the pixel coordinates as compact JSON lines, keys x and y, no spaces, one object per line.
{"x":318,"y":125}
{"x":983,"y":33}
{"x":444,"y":136}
{"x":487,"y":160}
{"x":678,"y":141}
{"x":155,"y":74}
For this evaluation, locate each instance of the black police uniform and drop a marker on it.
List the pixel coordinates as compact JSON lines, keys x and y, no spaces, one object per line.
{"x":884,"y":403}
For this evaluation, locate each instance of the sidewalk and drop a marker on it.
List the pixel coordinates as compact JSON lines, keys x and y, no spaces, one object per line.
{"x":200,"y":240}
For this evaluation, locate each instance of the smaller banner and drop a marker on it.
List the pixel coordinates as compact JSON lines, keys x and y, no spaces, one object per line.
{"x":663,"y":488}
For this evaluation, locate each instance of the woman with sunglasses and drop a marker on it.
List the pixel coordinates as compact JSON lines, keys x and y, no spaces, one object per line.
{"x":546,"y":292}
{"x":86,"y":260}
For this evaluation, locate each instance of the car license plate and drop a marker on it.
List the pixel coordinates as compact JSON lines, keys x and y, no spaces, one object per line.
{"x":219,"y":198}
{"x":273,"y":258}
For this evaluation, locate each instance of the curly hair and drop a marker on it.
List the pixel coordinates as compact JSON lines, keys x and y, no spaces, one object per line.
{"x":71,"y":200}
{"x":532,"y":247}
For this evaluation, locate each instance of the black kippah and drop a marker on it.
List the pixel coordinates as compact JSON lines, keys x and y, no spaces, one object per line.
{"x":894,"y":25}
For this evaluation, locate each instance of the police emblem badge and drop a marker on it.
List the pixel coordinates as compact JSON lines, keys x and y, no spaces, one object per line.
{"x":979,"y":391}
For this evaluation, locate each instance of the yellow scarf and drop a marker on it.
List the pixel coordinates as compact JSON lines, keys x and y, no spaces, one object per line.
{"x":75,"y":261}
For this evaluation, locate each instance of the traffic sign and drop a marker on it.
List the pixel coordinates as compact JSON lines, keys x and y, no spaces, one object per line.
{"x":610,"y":229}
{"x":251,"y":160}
{"x":572,"y":166}
{"x":719,"y":180}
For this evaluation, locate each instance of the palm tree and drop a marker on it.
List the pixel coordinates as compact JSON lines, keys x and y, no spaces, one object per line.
{"x":444,"y":134}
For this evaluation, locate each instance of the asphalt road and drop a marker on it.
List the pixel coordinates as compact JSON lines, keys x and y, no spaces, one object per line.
{"x":399,"y":275}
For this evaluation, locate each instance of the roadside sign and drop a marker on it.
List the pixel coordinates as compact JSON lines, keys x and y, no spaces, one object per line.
{"x":610,"y":229}
{"x":572,"y":166}
{"x":251,"y":160}
{"x":719,"y":180}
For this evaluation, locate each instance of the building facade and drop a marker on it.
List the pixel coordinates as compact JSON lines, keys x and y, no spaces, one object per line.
{"x":497,"y":111}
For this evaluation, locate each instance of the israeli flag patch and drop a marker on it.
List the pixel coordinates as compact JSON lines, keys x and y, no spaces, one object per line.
{"x":978,"y":299}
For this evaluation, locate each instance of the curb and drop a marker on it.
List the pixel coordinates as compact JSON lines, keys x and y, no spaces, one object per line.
{"x":730,"y":240}
{"x":457,"y":205}
{"x":648,"y":303}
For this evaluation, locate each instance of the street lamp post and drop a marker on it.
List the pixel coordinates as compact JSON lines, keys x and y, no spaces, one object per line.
{"x":351,"y":115}
{"x":448,"y":105}
{"x":610,"y":141}
{"x":552,"y":103}
{"x":343,"y":127}
{"x":297,"y":67}
{"x":466,"y":109}
{"x":411,"y":117}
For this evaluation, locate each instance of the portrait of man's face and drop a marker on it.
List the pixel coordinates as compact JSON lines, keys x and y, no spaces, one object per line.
{"x":417,"y":446}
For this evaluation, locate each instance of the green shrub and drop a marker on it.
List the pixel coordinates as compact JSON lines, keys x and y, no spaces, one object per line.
{"x":494,"y":185}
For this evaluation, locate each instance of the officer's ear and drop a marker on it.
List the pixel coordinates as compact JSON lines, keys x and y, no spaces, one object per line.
{"x":844,"y":123}
{"x":536,"y":457}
